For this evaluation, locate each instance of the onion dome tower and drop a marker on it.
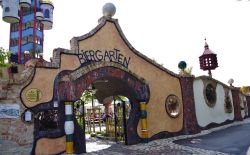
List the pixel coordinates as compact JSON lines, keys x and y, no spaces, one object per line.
{"x":28,"y":20}
{"x":208,"y":60}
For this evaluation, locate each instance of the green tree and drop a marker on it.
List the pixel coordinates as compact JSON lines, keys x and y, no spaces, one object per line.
{"x":87,"y":96}
{"x":4,"y":55}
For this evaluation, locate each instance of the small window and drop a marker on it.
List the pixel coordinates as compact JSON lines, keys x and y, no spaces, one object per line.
{"x":7,"y":9}
{"x":46,"y":14}
{"x":228,"y":103}
{"x":15,"y":26}
{"x":24,"y":40}
{"x":30,"y":38}
{"x":16,"y":42}
{"x":12,"y":28}
{"x":38,"y":40}
{"x":31,"y":24}
{"x":210,"y":94}
{"x":24,"y":26}
{"x":47,"y":120}
{"x":28,"y":24}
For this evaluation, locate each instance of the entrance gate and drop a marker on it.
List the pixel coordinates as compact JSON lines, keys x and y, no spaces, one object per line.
{"x":110,"y":124}
{"x":120,"y":83}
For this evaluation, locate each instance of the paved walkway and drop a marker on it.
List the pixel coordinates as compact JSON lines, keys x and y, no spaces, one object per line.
{"x":233,"y":140}
{"x":158,"y":147}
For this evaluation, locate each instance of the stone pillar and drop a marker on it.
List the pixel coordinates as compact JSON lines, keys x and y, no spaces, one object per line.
{"x":236,"y":103}
{"x":190,"y":124}
{"x":248,"y":105}
{"x":143,"y":115}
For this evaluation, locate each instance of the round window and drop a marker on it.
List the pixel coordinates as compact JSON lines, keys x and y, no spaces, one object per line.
{"x":172,"y":105}
{"x":210,"y":93}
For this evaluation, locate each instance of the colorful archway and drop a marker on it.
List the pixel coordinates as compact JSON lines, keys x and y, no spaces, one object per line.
{"x":130,"y":86}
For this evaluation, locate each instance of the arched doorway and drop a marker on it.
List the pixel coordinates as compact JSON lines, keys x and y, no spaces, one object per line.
{"x":109,"y":81}
{"x":106,"y":119}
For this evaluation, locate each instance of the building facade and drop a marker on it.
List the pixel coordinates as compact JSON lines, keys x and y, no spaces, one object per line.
{"x":28,"y":19}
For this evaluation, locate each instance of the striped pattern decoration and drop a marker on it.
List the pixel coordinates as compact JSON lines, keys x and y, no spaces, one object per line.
{"x":69,"y":127}
{"x":143,"y":115}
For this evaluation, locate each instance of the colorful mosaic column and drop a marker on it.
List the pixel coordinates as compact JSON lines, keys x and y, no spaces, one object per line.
{"x":190,"y":123}
{"x":144,"y":129}
{"x":69,"y":127}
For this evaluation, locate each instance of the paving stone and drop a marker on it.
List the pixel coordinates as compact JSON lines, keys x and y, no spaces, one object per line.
{"x":103,"y":147}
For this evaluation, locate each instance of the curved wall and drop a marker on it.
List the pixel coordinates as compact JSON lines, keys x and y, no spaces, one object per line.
{"x":205,"y":114}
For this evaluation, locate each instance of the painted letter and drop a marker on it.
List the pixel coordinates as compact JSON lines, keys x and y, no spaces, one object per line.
{"x":99,"y":56}
{"x":111,"y":54}
{"x":126,"y":62}
{"x":120,"y":57}
{"x":106,"y":55}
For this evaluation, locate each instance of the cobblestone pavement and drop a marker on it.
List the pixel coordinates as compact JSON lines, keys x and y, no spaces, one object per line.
{"x":158,"y":147}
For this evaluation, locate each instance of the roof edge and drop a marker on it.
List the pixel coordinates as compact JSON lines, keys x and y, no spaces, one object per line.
{"x":102,"y":21}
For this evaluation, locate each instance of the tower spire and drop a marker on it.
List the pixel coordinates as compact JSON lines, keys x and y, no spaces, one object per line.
{"x":208,"y":60}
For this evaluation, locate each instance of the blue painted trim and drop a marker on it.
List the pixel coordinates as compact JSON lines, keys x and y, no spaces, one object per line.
{"x":27,"y":47}
{"x":39,"y":48}
{"x":27,"y":32}
{"x":14,"y":34}
{"x":28,"y":18}
{"x":39,"y":33}
{"x":14,"y":49}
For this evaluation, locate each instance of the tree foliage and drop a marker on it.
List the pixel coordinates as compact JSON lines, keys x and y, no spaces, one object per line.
{"x":4,"y":55}
{"x":87,"y":96}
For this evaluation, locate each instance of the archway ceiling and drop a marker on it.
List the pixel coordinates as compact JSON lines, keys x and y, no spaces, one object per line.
{"x":110,"y":87}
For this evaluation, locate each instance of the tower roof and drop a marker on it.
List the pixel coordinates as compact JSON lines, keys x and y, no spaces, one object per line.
{"x":206,"y":49}
{"x":46,"y":2}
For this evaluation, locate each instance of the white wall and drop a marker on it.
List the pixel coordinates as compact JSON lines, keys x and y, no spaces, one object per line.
{"x":205,"y":114}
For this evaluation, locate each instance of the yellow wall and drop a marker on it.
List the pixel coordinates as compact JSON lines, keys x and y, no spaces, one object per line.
{"x":160,"y":83}
{"x":44,"y":79}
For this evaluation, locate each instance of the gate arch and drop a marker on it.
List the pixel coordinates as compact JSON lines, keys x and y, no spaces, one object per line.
{"x":70,"y":88}
{"x":76,"y":86}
